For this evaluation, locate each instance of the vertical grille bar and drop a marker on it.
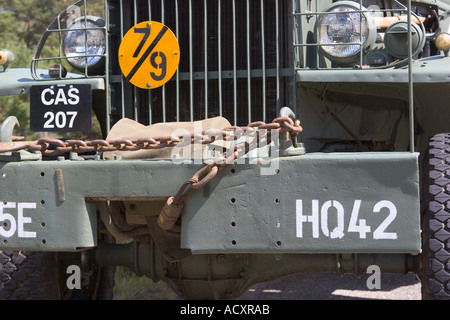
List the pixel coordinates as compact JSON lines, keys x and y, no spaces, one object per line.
{"x":150,"y":92}
{"x":177,"y":79}
{"x":135,"y":91}
{"x":164,"y":107}
{"x":277,"y":46}
{"x":219,"y":54}
{"x":122,"y":82}
{"x":249,"y":80}
{"x":205,"y":41}
{"x":191,"y":67}
{"x":234,"y":66}
{"x":107,"y":76}
{"x":263,"y":62}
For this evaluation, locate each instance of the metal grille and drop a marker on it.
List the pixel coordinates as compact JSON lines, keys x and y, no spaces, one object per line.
{"x":236,"y":60}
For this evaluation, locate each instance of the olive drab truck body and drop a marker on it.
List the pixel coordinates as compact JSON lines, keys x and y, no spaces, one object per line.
{"x":241,"y":141}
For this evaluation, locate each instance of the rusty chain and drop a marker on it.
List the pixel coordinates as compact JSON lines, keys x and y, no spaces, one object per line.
{"x":55,"y":147}
{"x":174,"y":205}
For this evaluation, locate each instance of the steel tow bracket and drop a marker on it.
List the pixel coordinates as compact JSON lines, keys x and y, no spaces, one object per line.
{"x":289,"y":146}
{"x":6,"y":135}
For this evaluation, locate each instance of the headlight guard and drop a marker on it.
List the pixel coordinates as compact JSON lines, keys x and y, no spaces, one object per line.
{"x":76,"y":41}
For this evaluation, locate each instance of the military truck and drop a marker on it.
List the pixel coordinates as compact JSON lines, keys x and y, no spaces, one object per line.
{"x":241,"y":141}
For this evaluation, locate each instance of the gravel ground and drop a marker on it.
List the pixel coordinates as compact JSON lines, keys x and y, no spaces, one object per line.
{"x":330,"y":286}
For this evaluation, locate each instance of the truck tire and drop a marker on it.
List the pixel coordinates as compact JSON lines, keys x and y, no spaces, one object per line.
{"x":435,"y":271}
{"x":44,"y":276}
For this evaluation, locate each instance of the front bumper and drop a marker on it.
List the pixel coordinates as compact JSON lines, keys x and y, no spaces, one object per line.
{"x":315,"y":203}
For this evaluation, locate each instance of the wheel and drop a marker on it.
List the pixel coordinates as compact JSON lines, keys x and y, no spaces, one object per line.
{"x":44,"y":276}
{"x":435,"y":272}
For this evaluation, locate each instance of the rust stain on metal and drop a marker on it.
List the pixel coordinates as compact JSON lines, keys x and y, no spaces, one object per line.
{"x":60,"y":185}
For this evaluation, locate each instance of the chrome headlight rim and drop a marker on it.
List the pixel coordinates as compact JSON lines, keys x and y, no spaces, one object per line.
{"x":368,"y":35}
{"x":93,"y":59}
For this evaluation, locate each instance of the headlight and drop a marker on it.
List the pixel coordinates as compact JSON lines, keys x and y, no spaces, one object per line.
{"x":85,"y":45}
{"x":344,"y":31}
{"x":396,"y":39}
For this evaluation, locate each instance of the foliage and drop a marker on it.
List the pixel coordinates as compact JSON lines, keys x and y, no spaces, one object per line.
{"x":25,"y":20}
{"x":18,"y":105}
{"x":129,"y":286}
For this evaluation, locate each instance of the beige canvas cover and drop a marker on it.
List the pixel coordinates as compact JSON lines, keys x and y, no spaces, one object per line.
{"x":130,"y":129}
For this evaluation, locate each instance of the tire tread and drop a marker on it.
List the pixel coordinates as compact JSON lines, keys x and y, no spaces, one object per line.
{"x":436,"y":220}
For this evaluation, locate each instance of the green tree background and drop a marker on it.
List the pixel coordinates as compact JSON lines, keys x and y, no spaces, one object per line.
{"x":22,"y":23}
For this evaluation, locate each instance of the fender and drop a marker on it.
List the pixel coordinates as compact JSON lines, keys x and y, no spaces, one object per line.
{"x":17,"y":81}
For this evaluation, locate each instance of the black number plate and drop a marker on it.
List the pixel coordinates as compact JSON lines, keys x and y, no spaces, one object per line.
{"x":61,"y":108}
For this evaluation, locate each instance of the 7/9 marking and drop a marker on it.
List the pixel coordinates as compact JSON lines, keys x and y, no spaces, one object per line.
{"x":146,"y":53}
{"x":149,"y":55}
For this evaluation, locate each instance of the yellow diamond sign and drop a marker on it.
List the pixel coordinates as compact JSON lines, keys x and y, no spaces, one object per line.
{"x":149,"y":55}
